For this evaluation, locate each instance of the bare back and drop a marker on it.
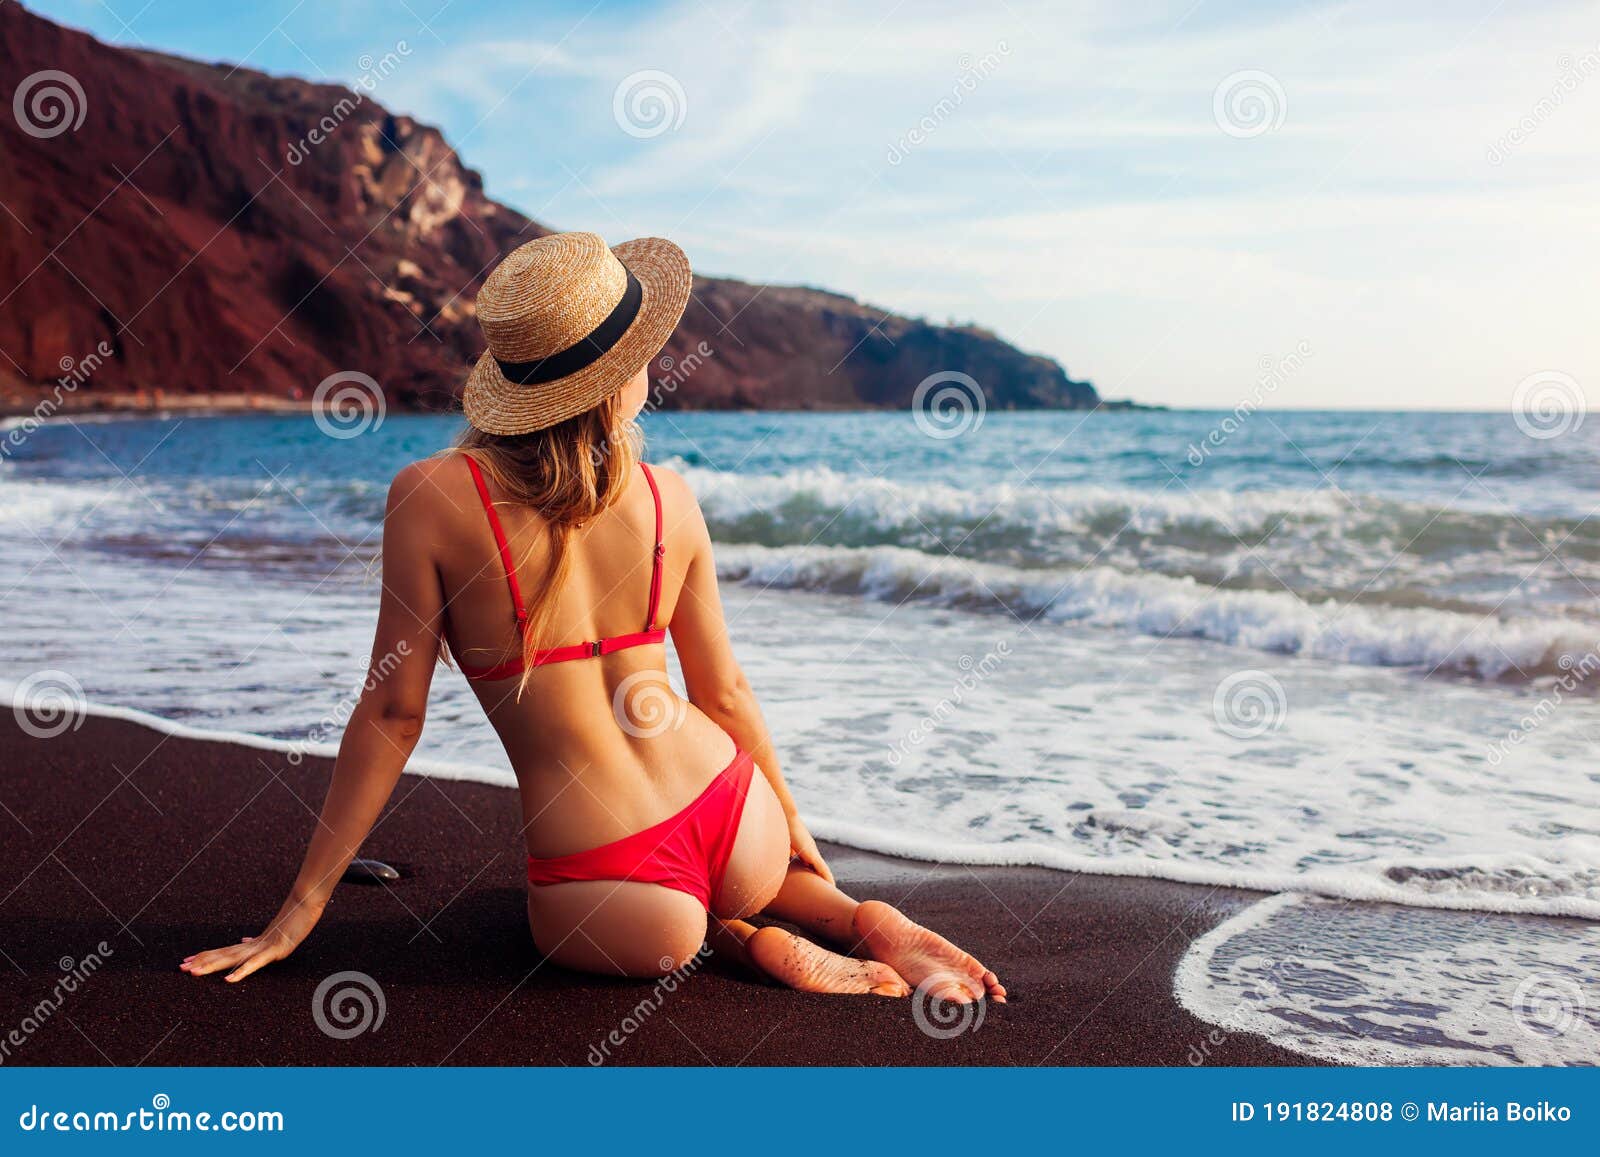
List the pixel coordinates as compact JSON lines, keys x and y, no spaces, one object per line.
{"x":601,"y":746}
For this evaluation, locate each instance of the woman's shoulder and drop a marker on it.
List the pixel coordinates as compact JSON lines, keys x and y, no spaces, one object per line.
{"x":682,"y":506}
{"x":675,"y":489}
{"x":437,"y":482}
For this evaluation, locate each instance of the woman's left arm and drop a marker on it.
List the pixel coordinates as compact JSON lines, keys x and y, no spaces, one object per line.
{"x":378,"y":739}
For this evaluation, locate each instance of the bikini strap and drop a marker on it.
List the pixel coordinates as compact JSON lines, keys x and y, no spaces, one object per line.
{"x":500,"y":542}
{"x":657,"y":555}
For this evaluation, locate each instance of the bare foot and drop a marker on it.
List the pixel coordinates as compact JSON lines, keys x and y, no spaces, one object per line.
{"x":802,"y":965}
{"x":925,"y":959}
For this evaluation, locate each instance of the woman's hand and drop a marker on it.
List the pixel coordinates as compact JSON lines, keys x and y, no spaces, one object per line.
{"x":282,"y":937}
{"x":806,"y":848}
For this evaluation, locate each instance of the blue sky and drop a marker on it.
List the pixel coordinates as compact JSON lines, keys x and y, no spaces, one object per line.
{"x":1166,"y":198}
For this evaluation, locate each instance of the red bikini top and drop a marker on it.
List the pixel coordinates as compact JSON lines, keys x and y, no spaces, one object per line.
{"x":650,"y":634}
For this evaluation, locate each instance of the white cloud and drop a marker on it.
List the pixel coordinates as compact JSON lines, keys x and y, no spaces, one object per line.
{"x":1080,"y":197}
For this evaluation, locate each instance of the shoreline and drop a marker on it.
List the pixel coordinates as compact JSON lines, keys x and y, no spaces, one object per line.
{"x":158,"y":845}
{"x":158,"y":403}
{"x":154,"y":404}
{"x":859,"y":840}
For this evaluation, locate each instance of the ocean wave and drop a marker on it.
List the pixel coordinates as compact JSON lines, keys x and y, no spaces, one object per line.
{"x":1374,"y":984}
{"x":1318,"y":543}
{"x":46,"y":504}
{"x":870,"y":503}
{"x":1484,"y":646}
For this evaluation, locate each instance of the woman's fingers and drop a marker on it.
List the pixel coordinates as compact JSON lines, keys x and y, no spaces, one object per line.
{"x":256,"y":960}
{"x":812,"y":858}
{"x":205,"y":963}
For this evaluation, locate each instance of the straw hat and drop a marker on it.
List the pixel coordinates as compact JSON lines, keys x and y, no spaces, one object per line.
{"x":568,"y":322}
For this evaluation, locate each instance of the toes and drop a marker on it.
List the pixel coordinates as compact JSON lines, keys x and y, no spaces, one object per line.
{"x":951,"y":989}
{"x":888,"y":982}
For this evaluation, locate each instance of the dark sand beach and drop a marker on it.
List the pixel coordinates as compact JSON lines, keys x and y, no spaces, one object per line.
{"x":161,"y":846}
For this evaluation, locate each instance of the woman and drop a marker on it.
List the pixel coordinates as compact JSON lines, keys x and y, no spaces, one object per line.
{"x":653,"y":824}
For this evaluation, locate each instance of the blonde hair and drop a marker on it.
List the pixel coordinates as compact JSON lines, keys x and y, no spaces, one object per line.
{"x":569,"y":473}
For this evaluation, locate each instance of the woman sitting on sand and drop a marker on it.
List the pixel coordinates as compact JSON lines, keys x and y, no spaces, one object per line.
{"x":653,"y":825}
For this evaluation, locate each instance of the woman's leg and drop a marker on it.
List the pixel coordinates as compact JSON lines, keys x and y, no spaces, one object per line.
{"x":924,"y":958}
{"x":760,"y":879}
{"x":809,"y":902}
{"x":799,"y":964}
{"x":753,"y":879}
{"x":616,"y":928}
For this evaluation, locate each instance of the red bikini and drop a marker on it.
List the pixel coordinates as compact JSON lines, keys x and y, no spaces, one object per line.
{"x":592,"y":650}
{"x":687,"y":852}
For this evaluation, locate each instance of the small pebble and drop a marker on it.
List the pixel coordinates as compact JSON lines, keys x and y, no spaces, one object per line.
{"x":370,"y":872}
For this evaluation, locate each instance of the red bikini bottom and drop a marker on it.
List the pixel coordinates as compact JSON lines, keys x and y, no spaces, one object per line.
{"x":687,"y":852}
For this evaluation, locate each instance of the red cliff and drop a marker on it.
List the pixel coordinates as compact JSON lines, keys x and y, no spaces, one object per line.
{"x":189,"y":224}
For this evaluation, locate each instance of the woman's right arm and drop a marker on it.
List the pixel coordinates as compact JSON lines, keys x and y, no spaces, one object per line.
{"x":715,"y":682}
{"x":378,"y":739}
